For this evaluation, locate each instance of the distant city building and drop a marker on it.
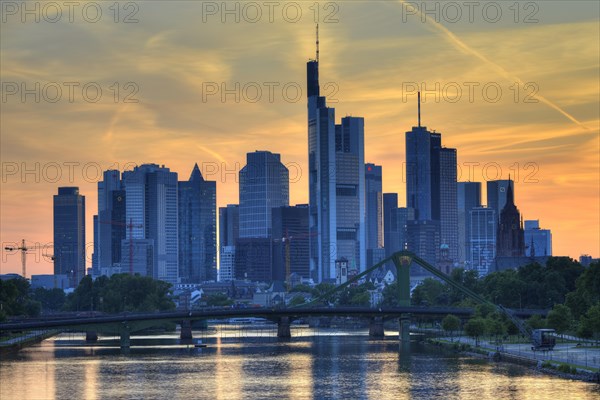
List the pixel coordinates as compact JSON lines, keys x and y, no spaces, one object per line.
{"x":586,"y":260}
{"x":264,"y":185}
{"x":69,"y":234}
{"x":95,"y":267}
{"x":391,"y":233}
{"x":350,"y":192}
{"x":538,"y":242}
{"x":482,"y":244}
{"x":111,"y":223}
{"x":253,"y":259}
{"x":138,"y":256}
{"x":290,"y":223}
{"x":227,"y":264}
{"x":229,"y":232}
{"x":510,"y":240}
{"x":469,"y":197}
{"x":374,"y":206}
{"x":423,"y":239}
{"x":197,"y":229}
{"x":448,"y":205}
{"x":50,"y":281}
{"x":152,"y":214}
{"x":497,"y":194}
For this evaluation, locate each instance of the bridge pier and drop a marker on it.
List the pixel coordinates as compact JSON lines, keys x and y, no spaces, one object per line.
{"x":91,"y":336}
{"x":186,"y":330}
{"x":376,"y":329}
{"x":125,"y":336}
{"x":404,"y":335}
{"x":283,"y":328}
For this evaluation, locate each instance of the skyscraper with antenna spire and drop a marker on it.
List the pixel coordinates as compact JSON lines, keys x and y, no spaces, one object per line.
{"x":336,"y":184}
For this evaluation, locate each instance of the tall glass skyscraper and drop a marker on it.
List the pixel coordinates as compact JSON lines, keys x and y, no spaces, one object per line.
{"x":374,"y":206}
{"x":111,"y":222}
{"x":152,"y":211}
{"x":497,"y":194}
{"x":448,"y":202}
{"x":264,"y":185}
{"x":483,"y":239}
{"x":468,"y":197}
{"x":69,"y":234}
{"x":197,"y":229}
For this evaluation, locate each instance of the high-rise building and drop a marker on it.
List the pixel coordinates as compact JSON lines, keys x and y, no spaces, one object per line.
{"x":95,"y":269}
{"x":482,"y":239}
{"x":264,"y":185}
{"x":390,"y":223}
{"x":510,"y":239}
{"x":497,"y":194}
{"x":152,"y":213}
{"x":290,"y":241}
{"x":111,"y":223}
{"x":538,"y":242}
{"x":197,"y":229}
{"x":448,"y":204}
{"x":374,"y":206}
{"x":468,"y":197}
{"x":350,"y":193}
{"x":229,"y":232}
{"x":322,"y":179}
{"x":69,"y":234}
{"x":254,"y":259}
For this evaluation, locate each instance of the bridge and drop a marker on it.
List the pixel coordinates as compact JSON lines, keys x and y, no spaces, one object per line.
{"x":127,"y":323}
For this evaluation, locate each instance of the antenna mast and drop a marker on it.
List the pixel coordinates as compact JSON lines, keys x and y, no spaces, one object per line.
{"x":419,"y":106}
{"x":317,"y":42}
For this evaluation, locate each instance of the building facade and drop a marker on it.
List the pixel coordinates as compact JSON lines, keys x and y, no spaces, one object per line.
{"x":482,"y":239}
{"x":538,"y":242}
{"x":69,"y":234}
{"x":468,"y":197}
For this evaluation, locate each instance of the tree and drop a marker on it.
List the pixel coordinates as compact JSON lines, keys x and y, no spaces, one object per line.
{"x":296,"y":301}
{"x":560,"y":318}
{"x":50,"y":299}
{"x":15,"y":300}
{"x":451,"y":323}
{"x":218,"y":300}
{"x":430,"y":292}
{"x":475,"y":328}
{"x":589,"y":325}
{"x":536,"y":322}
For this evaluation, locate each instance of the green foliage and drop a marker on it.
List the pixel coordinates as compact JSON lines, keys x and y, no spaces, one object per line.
{"x":50,"y":299}
{"x":475,"y":328}
{"x":450,"y":323}
{"x":218,"y":300}
{"x":302,"y":288}
{"x":560,"y":318}
{"x":536,"y":322}
{"x":390,"y":295}
{"x":355,"y":295}
{"x":567,"y":369}
{"x":15,"y":300}
{"x":493,"y":326}
{"x":589,"y":324}
{"x":120,"y":292}
{"x":296,"y":301}
{"x":429,"y":293}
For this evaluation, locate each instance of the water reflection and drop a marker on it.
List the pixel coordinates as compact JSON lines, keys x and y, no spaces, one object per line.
{"x":262,"y":367}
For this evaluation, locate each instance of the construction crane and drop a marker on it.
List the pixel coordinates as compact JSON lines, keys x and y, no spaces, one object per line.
{"x":24,"y":249}
{"x":286,"y":240}
{"x":129,"y":226}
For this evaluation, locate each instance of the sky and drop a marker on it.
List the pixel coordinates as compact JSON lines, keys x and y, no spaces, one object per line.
{"x":514,"y":86}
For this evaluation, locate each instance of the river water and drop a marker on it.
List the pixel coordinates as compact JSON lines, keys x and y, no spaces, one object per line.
{"x":253,"y":364}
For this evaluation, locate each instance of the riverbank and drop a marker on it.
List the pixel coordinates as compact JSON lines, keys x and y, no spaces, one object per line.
{"x":19,"y":341}
{"x":550,"y":367}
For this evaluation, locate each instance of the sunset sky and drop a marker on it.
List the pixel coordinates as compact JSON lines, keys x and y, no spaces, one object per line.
{"x":541,"y":57}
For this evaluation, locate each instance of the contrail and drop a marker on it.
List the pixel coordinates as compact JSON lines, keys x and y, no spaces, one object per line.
{"x":499,"y":69}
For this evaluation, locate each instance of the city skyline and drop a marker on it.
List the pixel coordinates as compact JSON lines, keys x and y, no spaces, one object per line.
{"x":155,"y":129}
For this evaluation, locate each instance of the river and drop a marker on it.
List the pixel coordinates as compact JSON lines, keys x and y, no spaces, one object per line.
{"x":253,"y":364}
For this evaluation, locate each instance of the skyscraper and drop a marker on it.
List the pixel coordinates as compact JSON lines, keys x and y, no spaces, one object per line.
{"x":482,"y":239}
{"x":336,"y":179}
{"x":469,"y":197}
{"x":197,"y":229}
{"x":229,"y":232}
{"x":448,"y":203}
{"x":69,"y":234}
{"x":374,"y":206}
{"x":390,"y":223}
{"x":322,"y":179}
{"x":111,"y":222}
{"x":496,"y":194}
{"x":264,"y":185}
{"x":538,"y":242}
{"x":290,"y":223}
{"x":510,"y":240}
{"x":152,"y":212}
{"x":350,"y":193}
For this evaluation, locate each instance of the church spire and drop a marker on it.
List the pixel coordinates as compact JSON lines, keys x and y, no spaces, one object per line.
{"x":196,"y":174}
{"x":510,"y":198}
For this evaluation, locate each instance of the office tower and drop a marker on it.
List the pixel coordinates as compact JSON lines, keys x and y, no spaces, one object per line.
{"x":403,"y":216}
{"x":538,"y":242}
{"x":496,"y":194}
{"x":322,"y":179}
{"x":290,"y":240}
{"x":69,"y":234}
{"x":254,"y":259}
{"x":510,"y":240}
{"x":374,"y":206}
{"x":468,"y":197}
{"x":197,"y":229}
{"x":111,"y":223}
{"x":264,"y":184}
{"x":482,"y":239}
{"x":152,"y":219}
{"x":350,"y":193}
{"x":448,"y":204}
{"x":229,"y":229}
{"x":390,"y":223}
{"x":95,"y":269}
